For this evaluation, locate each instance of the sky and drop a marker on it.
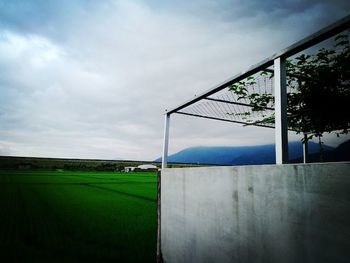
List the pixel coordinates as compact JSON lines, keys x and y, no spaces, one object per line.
{"x":92,"y":79}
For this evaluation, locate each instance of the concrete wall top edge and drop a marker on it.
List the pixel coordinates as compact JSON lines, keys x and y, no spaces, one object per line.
{"x":258,"y":165}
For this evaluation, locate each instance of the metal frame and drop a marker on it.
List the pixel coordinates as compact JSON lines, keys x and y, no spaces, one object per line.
{"x":166,"y":140}
{"x":305,"y":148}
{"x":278,"y":61}
{"x":281,"y":129}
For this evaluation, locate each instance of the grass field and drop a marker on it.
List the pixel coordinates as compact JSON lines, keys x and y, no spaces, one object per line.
{"x":52,"y":216}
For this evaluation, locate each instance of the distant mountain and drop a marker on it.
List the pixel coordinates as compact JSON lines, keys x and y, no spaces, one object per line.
{"x":339,"y":154}
{"x":244,"y":155}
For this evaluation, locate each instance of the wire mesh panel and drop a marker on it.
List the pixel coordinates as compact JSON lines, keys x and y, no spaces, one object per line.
{"x":228,"y":105}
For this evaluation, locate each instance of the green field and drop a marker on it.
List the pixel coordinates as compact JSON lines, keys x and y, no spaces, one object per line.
{"x":53,"y":216}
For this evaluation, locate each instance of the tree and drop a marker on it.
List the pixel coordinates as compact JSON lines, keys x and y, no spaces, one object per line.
{"x":318,"y":92}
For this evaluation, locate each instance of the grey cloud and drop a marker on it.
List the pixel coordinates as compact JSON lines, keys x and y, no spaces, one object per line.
{"x":45,"y":17}
{"x":98,"y":85}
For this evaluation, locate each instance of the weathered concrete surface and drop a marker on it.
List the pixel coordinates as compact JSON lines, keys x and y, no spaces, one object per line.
{"x":283,"y":213}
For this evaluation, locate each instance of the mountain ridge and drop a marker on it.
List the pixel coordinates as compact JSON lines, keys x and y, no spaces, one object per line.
{"x":240,"y":155}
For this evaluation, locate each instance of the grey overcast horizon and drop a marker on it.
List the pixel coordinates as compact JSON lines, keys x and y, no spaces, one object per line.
{"x":92,"y":79}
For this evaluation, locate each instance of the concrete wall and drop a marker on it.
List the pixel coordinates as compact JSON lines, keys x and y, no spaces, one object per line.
{"x":289,"y":213}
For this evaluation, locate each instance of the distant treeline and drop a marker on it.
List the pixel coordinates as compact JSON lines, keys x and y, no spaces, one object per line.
{"x":28,"y":163}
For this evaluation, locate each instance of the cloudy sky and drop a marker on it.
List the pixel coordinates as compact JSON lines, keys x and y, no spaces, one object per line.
{"x":91,"y":79}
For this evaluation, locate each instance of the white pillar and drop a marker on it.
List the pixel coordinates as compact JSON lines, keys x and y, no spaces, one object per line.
{"x":166,"y":141}
{"x":281,"y":130}
{"x":305,"y":148}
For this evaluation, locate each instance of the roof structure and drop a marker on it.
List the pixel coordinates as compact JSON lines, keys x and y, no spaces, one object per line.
{"x":269,"y":77}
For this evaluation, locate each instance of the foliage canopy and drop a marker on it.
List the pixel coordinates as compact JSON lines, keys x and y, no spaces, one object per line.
{"x":318,"y":91}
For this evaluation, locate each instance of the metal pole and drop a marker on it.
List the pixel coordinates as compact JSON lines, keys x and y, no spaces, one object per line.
{"x":166,"y":140}
{"x":305,"y":148}
{"x":281,"y":130}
